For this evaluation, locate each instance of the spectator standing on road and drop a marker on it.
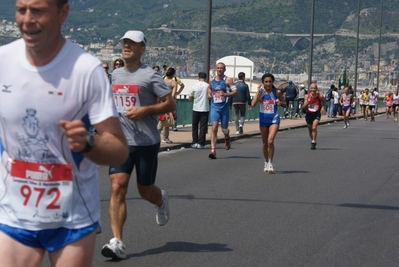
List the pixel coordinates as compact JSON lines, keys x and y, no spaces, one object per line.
{"x":314,"y":105}
{"x":330,"y":101}
{"x":335,"y":99}
{"x":53,"y":92}
{"x":199,"y":95}
{"x":269,"y":120}
{"x":172,"y":85}
{"x":220,"y":89}
{"x":290,"y":95}
{"x":240,"y":102}
{"x":365,"y":97}
{"x":301,"y":97}
{"x":346,"y":103}
{"x":179,"y":89}
{"x":141,"y":95}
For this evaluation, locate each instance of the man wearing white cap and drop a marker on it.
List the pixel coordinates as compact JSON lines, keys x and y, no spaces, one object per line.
{"x":140,"y":95}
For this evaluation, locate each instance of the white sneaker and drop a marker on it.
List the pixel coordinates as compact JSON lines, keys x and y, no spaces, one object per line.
{"x":266,"y":168}
{"x":271,"y":168}
{"x":162,"y":213}
{"x":194,"y":146}
{"x":115,"y":249}
{"x":238,"y":132}
{"x":345,"y":126}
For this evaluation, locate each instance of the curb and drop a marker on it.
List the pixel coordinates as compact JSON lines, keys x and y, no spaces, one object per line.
{"x":187,"y":144}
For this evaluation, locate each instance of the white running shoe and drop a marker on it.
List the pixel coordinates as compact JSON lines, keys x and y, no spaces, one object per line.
{"x":266,"y":168}
{"x":194,"y":145}
{"x":115,"y":249}
{"x":271,"y":168}
{"x":345,"y":126}
{"x":162,"y":213}
{"x":238,"y":132}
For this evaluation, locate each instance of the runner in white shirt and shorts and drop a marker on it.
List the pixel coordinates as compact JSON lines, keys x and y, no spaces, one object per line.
{"x":52,"y":93}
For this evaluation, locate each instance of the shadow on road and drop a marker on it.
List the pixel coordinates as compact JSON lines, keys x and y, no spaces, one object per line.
{"x":366,"y":206}
{"x":184,"y":247}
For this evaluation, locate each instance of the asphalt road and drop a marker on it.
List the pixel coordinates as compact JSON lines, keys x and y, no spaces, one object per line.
{"x":334,"y":206}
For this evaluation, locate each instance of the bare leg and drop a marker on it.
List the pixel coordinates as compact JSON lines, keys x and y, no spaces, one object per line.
{"x":151,"y":193}
{"x":314,"y":130}
{"x":15,"y":254}
{"x":117,"y":205}
{"x":76,"y":254}
{"x":214,"y":134}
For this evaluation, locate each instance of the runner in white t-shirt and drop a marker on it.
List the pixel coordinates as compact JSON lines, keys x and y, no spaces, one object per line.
{"x":52,"y":93}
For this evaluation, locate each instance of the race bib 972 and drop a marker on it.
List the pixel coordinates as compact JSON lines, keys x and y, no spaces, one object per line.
{"x":41,"y":192}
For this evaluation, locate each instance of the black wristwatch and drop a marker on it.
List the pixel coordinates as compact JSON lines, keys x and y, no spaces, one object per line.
{"x":90,"y":142}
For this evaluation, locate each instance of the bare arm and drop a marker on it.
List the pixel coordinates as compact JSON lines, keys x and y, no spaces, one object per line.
{"x":181,"y":88}
{"x":174,"y":89}
{"x":306,"y":102}
{"x":110,"y":143}
{"x":209,"y":91}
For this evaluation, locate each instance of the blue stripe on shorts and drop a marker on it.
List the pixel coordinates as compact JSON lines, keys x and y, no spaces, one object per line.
{"x":49,"y":239}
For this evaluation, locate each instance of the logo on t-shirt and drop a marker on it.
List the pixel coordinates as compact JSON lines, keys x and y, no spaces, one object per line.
{"x":5,"y":89}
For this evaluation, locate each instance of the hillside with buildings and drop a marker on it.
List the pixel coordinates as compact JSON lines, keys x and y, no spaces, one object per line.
{"x":258,"y":30}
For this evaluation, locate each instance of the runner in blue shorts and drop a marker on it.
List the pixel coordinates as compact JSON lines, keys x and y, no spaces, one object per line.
{"x":54,"y":93}
{"x":269,"y":120}
{"x":346,"y":101}
{"x":220,"y":89}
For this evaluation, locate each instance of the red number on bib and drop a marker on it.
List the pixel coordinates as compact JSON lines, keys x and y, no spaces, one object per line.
{"x":41,"y":192}
{"x":52,"y":205}
{"x":26,"y":192}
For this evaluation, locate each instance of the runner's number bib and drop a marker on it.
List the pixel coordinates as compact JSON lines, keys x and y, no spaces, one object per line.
{"x":125,"y":96}
{"x":217,"y":98}
{"x":41,"y":192}
{"x":267,"y":106}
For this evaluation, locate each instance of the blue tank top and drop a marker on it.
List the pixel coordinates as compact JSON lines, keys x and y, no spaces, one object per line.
{"x":219,"y":102}
{"x":268,"y":112}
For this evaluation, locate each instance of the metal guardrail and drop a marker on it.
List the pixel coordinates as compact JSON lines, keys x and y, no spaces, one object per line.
{"x":185,"y":107}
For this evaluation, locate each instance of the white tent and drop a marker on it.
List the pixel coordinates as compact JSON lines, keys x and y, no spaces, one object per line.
{"x":236,"y":64}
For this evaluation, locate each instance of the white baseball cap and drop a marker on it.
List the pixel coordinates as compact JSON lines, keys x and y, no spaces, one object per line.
{"x":135,"y":36}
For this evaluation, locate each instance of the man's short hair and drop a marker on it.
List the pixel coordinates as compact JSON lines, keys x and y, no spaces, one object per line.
{"x":224,"y":65}
{"x":241,"y":76}
{"x":202,"y":75}
{"x":61,"y":3}
{"x":165,"y":67}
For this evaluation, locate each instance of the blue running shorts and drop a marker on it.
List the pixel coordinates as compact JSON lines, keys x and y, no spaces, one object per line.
{"x":50,"y":239}
{"x":221,"y":115}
